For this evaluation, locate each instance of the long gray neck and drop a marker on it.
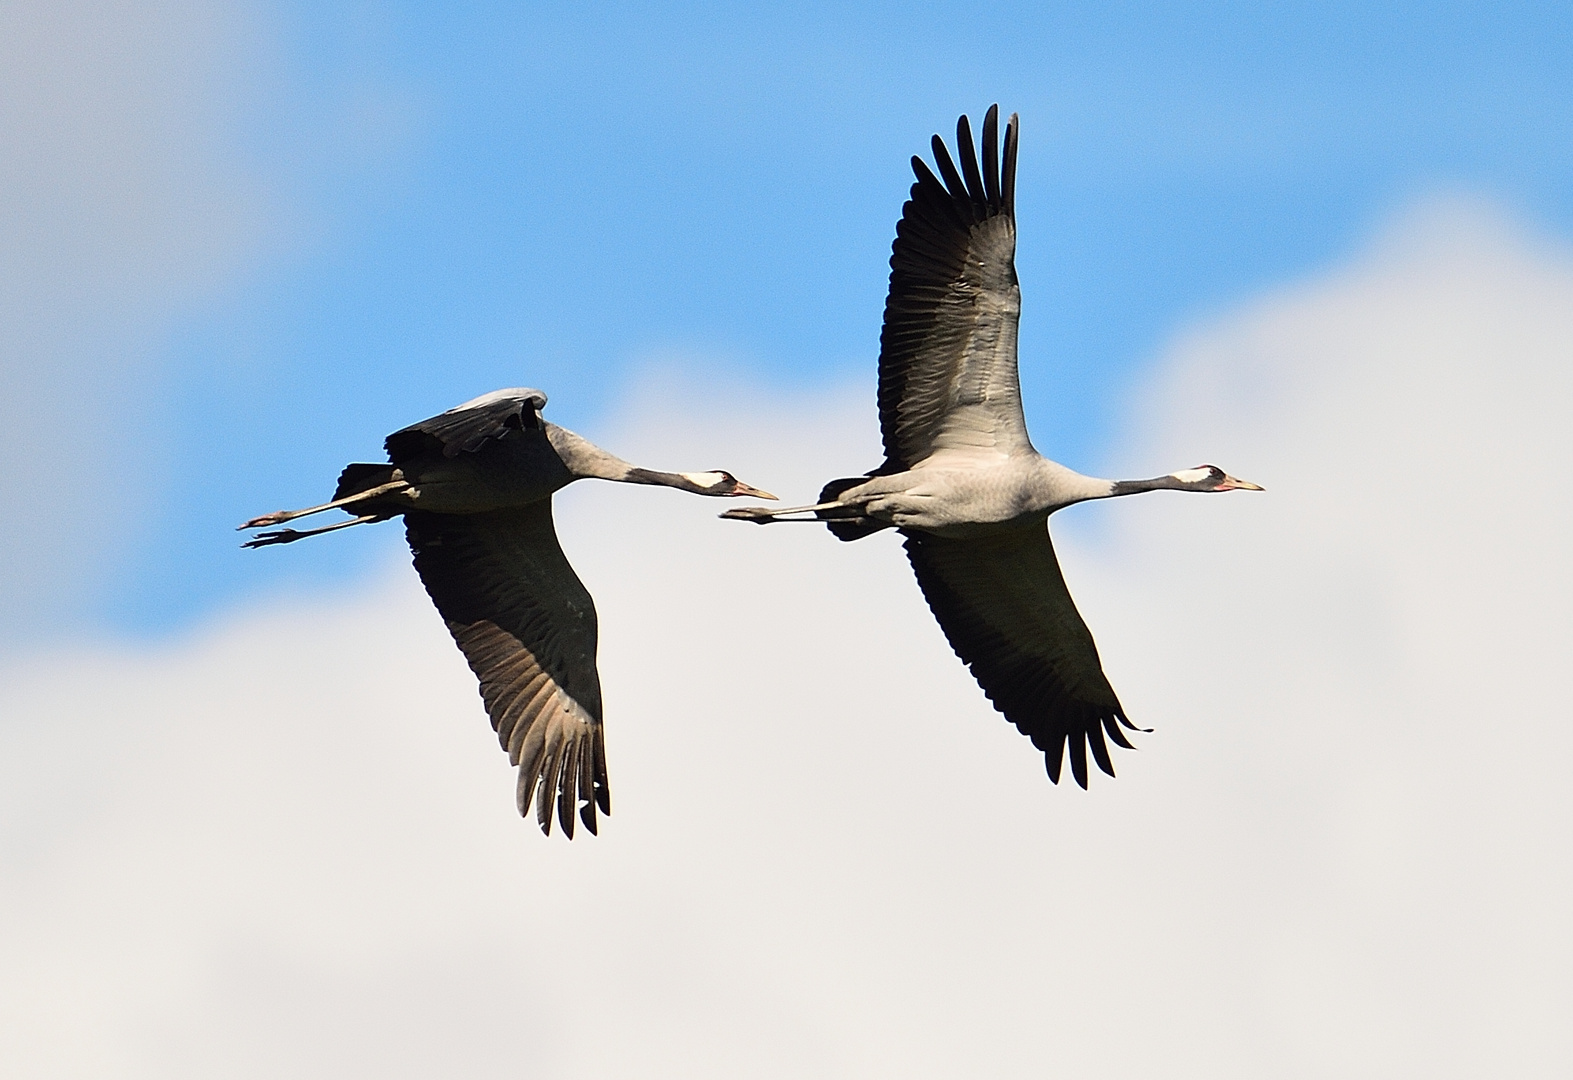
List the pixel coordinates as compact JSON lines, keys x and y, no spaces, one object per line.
{"x":1056,"y":486}
{"x":1059,"y":487}
{"x":586,"y":461}
{"x":1157,"y":483}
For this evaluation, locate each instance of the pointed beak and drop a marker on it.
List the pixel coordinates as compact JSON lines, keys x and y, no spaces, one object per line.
{"x":1231,"y":484}
{"x":743,"y":489}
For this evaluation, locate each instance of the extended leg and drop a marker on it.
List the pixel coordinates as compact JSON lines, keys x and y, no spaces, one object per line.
{"x":289,"y":536}
{"x":278,"y":517}
{"x":764,"y":515}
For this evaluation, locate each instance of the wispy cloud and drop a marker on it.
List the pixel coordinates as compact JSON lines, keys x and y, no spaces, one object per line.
{"x":126,"y":206}
{"x":287,"y":845}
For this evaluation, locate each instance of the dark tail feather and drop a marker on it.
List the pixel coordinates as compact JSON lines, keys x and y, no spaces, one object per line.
{"x":359,"y":476}
{"x":846,"y":524}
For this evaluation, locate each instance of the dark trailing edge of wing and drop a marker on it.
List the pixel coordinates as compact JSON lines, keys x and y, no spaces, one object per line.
{"x":1004,"y":608}
{"x":467,"y":428}
{"x":934,"y":240}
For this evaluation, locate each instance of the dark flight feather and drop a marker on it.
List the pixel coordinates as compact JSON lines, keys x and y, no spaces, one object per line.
{"x":1004,"y":607}
{"x":527,"y":626}
{"x":948,"y":343}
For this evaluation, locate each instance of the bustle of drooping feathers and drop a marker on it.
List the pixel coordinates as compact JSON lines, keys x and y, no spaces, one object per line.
{"x":468,"y":427}
{"x":848,"y":523}
{"x":361,"y":476}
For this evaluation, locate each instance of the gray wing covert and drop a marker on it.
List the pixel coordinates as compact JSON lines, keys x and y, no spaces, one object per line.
{"x":467,"y":427}
{"x":527,"y":626}
{"x":1004,"y":607}
{"x":947,"y":353}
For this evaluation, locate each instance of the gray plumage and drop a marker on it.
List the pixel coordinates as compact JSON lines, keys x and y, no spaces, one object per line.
{"x":474,"y":486}
{"x":962,"y":481}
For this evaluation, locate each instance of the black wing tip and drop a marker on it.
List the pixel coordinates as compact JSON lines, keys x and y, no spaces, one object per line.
{"x":597,"y":797}
{"x":1079,"y":741}
{"x":991,"y":155}
{"x":976,"y":193}
{"x":1008,"y":168}
{"x":580,"y":786}
{"x":1054,"y":759}
{"x":1078,"y":748}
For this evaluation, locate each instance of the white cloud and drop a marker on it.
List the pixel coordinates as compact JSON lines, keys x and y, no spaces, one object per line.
{"x":286,"y":846}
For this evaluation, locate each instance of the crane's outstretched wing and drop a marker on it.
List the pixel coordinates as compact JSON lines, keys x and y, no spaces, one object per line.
{"x":1002,"y":603}
{"x":526,"y":624}
{"x":947,"y":354}
{"x":468,"y":426}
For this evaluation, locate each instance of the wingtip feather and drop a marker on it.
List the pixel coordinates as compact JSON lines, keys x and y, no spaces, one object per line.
{"x":1078,"y":748}
{"x":954,"y":185}
{"x":1054,"y":761}
{"x":585,"y":787}
{"x":546,"y":794}
{"x":991,"y":156}
{"x":967,"y":149}
{"x":568,"y":788}
{"x":1100,"y":749}
{"x":603,"y":789}
{"x":1112,"y":726}
{"x":1008,"y":171}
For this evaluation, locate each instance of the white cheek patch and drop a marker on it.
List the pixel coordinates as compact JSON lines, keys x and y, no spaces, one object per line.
{"x":1191,"y":476}
{"x":703,"y":479}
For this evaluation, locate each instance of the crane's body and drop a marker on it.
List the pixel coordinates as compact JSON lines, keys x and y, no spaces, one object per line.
{"x":474,"y":486}
{"x":961,"y":493}
{"x":961,"y":480}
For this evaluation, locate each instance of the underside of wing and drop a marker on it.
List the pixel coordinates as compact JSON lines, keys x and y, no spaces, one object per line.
{"x":526,"y":624}
{"x":1003,"y":605}
{"x":947,"y":354}
{"x":468,"y":426}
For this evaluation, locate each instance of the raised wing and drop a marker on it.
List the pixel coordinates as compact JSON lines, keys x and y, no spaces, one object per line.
{"x":467,"y":427}
{"x":1002,"y":603}
{"x":527,"y":626}
{"x":947,"y":354}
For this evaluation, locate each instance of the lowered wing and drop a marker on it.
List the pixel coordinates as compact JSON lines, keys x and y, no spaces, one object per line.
{"x":526,"y":624}
{"x":1003,"y":605}
{"x":947,"y":354}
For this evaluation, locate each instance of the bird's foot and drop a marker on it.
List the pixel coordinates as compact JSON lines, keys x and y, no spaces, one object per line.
{"x":278,"y":536}
{"x":276,"y":518}
{"x":759,"y":515}
{"x":287,"y":536}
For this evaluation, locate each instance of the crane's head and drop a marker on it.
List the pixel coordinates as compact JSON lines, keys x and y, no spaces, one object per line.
{"x":721,"y":482}
{"x":1210,"y":478}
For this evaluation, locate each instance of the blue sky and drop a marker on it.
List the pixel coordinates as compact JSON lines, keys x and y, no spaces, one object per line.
{"x":252,"y":820}
{"x":440,"y":200}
